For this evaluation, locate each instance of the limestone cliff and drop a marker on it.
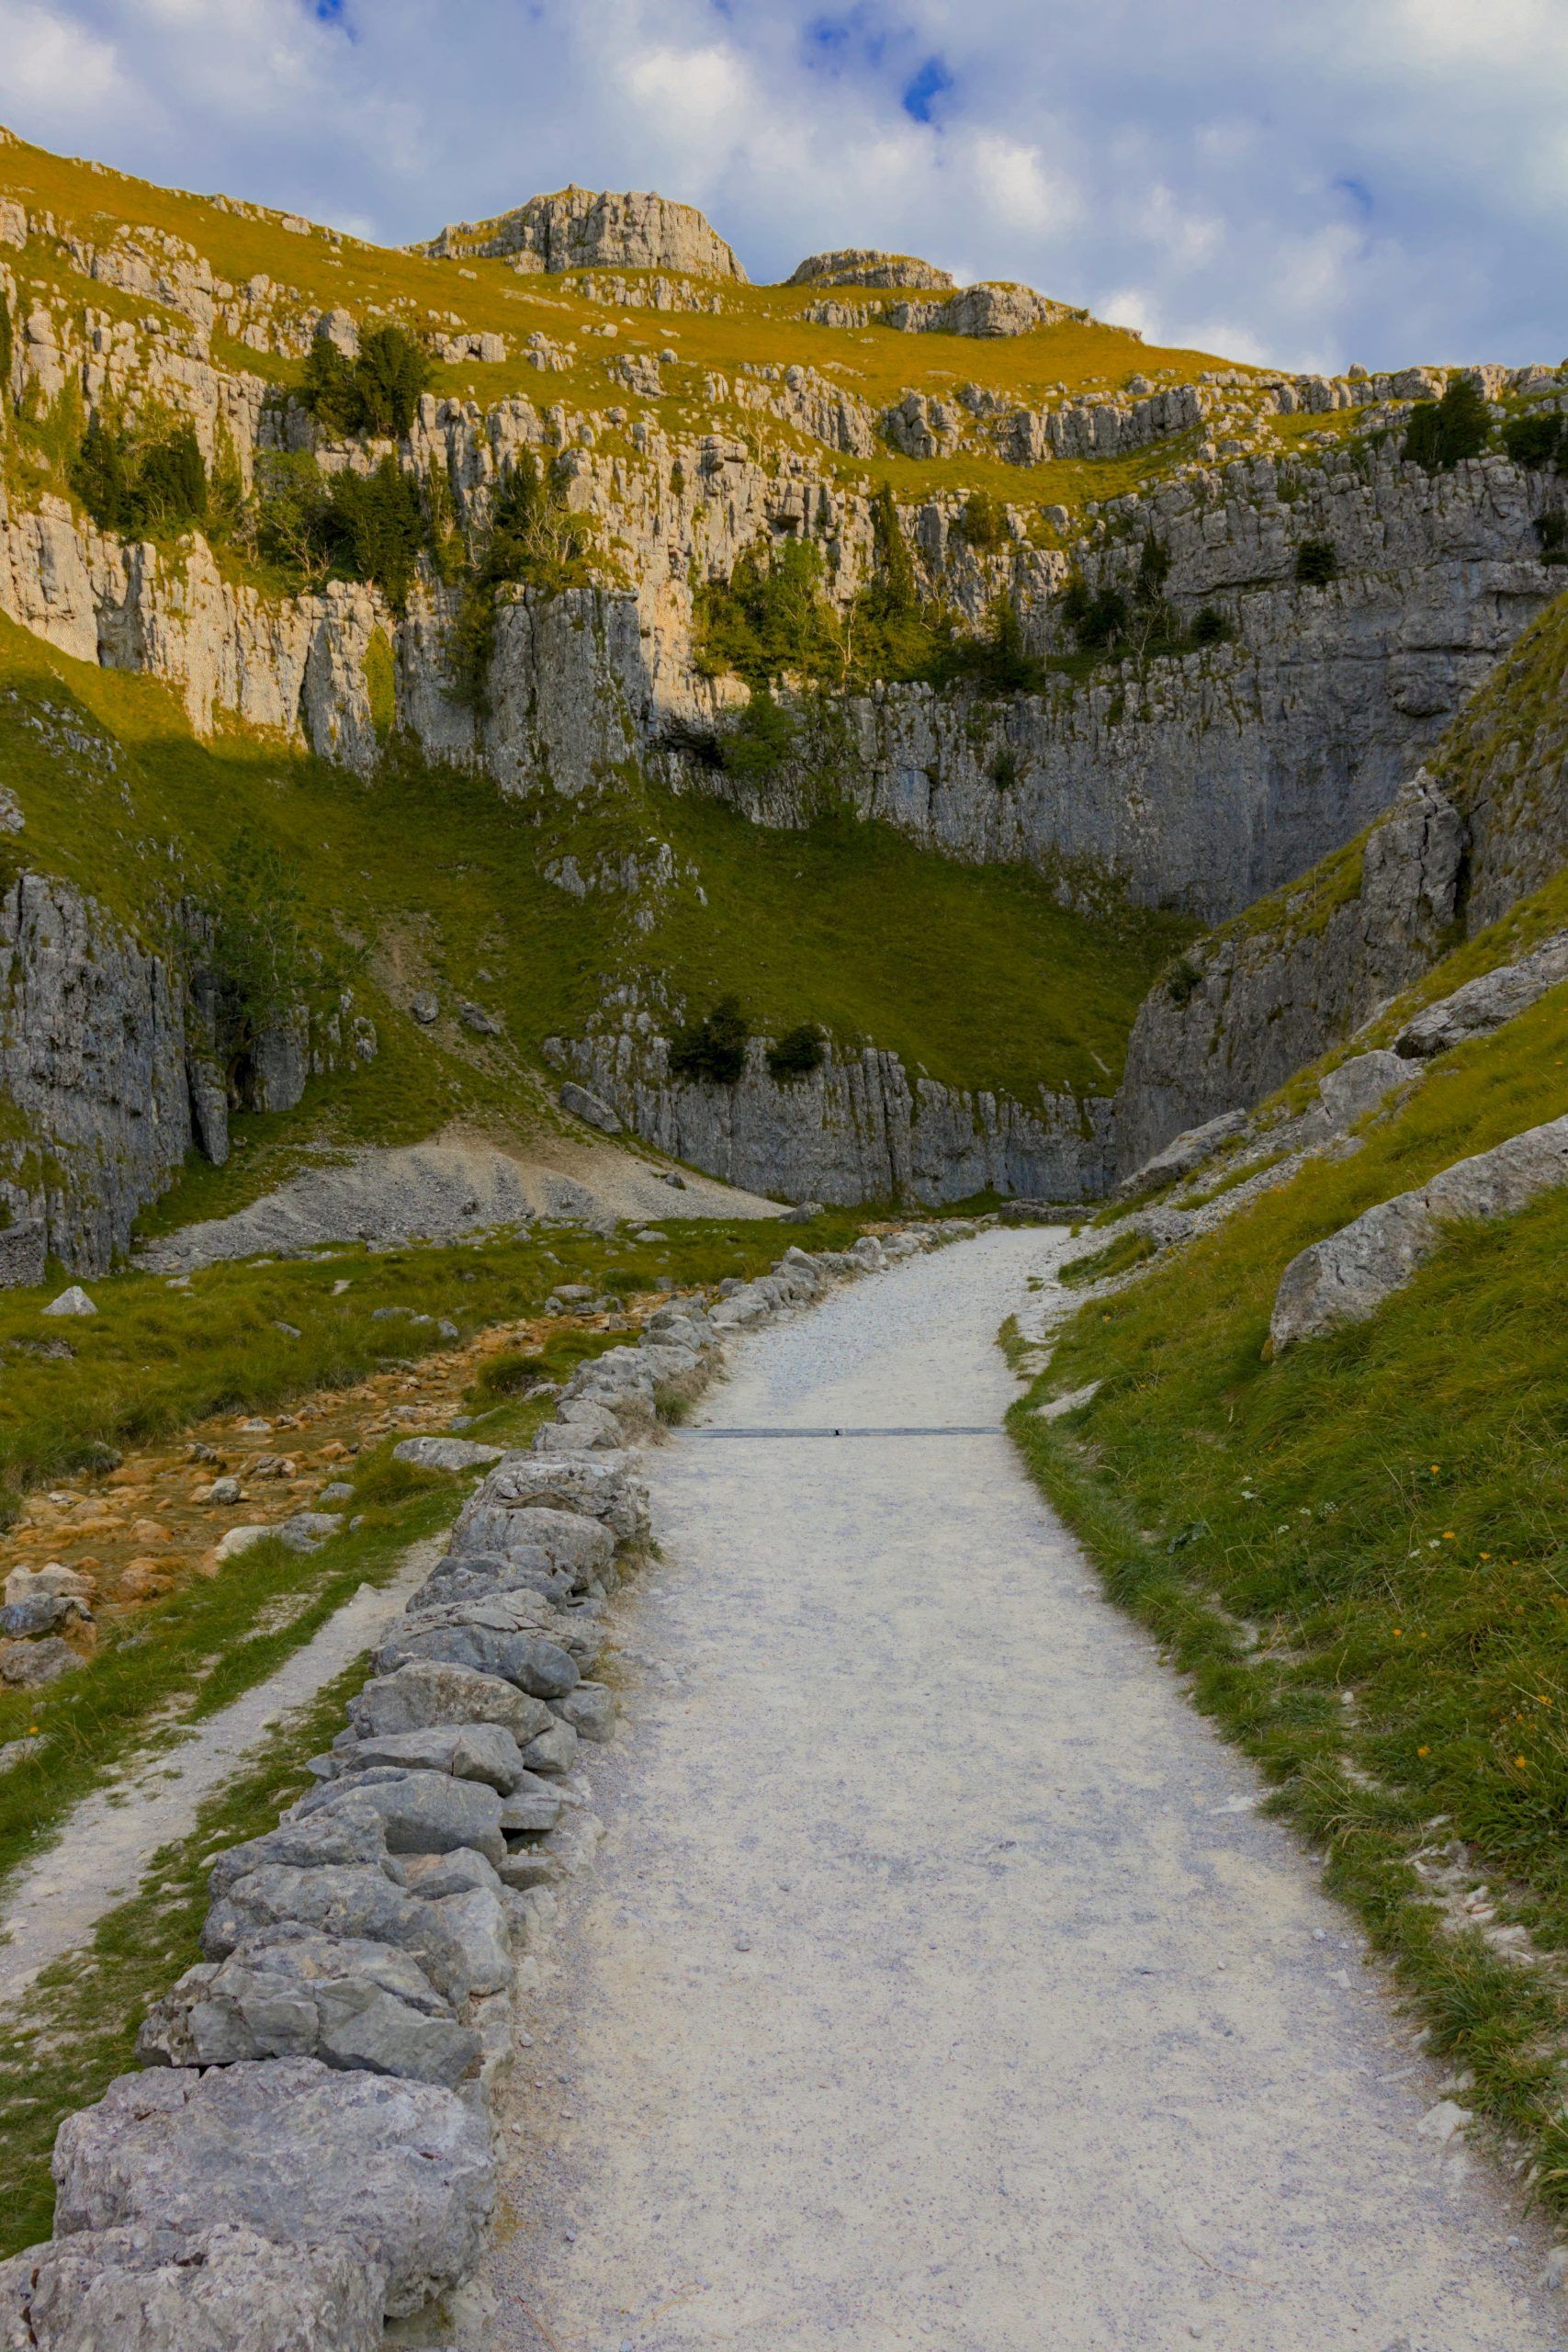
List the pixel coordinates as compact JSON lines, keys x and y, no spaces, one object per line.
{"x":577,"y":228}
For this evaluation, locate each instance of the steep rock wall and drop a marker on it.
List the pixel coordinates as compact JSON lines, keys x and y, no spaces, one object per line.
{"x":93,"y":1076}
{"x":857,"y":1130}
{"x":1244,"y":1009}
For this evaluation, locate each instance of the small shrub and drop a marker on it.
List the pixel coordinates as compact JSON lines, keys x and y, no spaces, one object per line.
{"x":1551,"y":531}
{"x":1098,"y":618}
{"x":797,"y":1053}
{"x":380,"y":684}
{"x":892,"y":588}
{"x":762,"y":739}
{"x":533,"y":540}
{"x":7,"y":350}
{"x":1536,"y":441}
{"x":1182,"y":981}
{"x":713,"y":1050}
{"x":1153,"y":569}
{"x":386,"y":1480}
{"x":1441,"y":433}
{"x":1317,"y":562}
{"x":1004,"y":770}
{"x":983,"y":525}
{"x":1210,"y":626}
{"x":510,"y":1375}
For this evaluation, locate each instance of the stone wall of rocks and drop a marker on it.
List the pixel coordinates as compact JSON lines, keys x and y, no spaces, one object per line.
{"x":308,"y":2148}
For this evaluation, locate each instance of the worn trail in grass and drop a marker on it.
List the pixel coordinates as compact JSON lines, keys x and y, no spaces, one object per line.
{"x":939,"y":1982}
{"x":106,"y":1846}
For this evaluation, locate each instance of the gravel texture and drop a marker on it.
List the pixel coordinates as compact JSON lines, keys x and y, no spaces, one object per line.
{"x":938,"y":1982}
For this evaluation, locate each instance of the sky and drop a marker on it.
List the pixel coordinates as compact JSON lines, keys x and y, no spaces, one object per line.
{"x":1304,"y":183}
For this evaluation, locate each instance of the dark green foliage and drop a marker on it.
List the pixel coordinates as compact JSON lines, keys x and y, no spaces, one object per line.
{"x":712,"y":1050}
{"x":1182,"y":980}
{"x":391,"y":371}
{"x":533,"y":540}
{"x":1210,"y":626}
{"x":1317,"y":562}
{"x":375,"y":526}
{"x":1097,"y":618}
{"x":1154,"y":567}
{"x":7,"y":348}
{"x":999,"y":663}
{"x":133,"y":483}
{"x":1004,"y":768}
{"x":377,"y":393}
{"x":1552,"y":530}
{"x":772,"y":617}
{"x":762,"y":739}
{"x":251,"y":938}
{"x":891,"y":591}
{"x":797,"y":1053}
{"x":983,"y":524}
{"x":1537,"y":441}
{"x":1441,"y":433}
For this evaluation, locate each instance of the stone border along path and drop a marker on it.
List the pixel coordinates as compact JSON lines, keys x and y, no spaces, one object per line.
{"x":321,"y":2082}
{"x":938,"y":1983}
{"x":103,"y":1847}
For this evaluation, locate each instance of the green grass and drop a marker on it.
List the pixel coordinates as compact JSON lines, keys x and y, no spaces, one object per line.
{"x":426,"y":879}
{"x":75,"y":2029}
{"x":153,"y":1360}
{"x":1126,"y":1250}
{"x":1387,"y":1510}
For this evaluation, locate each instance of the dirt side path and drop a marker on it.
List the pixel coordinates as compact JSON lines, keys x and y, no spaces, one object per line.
{"x":938,"y":1984}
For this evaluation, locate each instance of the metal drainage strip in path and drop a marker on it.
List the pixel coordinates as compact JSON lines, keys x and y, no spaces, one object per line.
{"x":979,"y":1428}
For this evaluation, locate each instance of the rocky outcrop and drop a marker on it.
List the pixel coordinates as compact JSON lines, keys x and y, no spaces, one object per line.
{"x":1241,"y":1011}
{"x":115,"y":1058}
{"x":862,"y":265}
{"x":1484,"y":1003}
{"x":859,"y":1129}
{"x":577,"y":228}
{"x":1346,"y":1278}
{"x":145,"y":2288}
{"x":93,"y":1086}
{"x":982,"y":310}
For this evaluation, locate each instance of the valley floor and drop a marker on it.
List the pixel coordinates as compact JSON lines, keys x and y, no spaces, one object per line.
{"x":938,"y":1983}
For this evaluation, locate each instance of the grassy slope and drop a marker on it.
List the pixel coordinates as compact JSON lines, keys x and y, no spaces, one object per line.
{"x":1386,"y":1509}
{"x":423,"y":878}
{"x":760,"y":324}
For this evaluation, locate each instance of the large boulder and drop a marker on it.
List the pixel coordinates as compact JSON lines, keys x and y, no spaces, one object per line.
{"x":565,"y":1542}
{"x":1483,"y":1004}
{"x":468,"y":1751}
{"x":292,"y":1994}
{"x":541,"y":1668}
{"x":398,"y":2172}
{"x":421,"y":1812}
{"x":1346,"y":1278}
{"x":224,"y":2289}
{"x":309,"y":1845}
{"x":429,"y":1692}
{"x":355,"y":1901}
{"x":1354,"y":1087}
{"x":595,"y":1485}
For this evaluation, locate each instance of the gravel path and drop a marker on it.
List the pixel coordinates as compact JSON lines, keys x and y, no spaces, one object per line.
{"x":105,"y":1845}
{"x":937,"y":1984}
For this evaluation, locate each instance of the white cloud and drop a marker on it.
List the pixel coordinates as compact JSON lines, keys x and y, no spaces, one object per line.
{"x":49,"y":63}
{"x":1343,"y":182}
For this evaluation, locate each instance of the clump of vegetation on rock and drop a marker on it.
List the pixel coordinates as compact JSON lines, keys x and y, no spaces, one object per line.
{"x":1441,"y":433}
{"x":376,"y":393}
{"x":141,"y":480}
{"x":797,"y":1053}
{"x":1317,"y":562}
{"x":533,"y":540}
{"x":713,"y":1050}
